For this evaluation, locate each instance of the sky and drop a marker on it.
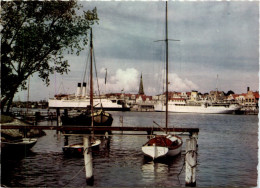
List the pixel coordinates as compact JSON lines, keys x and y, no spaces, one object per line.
{"x":218,"y":48}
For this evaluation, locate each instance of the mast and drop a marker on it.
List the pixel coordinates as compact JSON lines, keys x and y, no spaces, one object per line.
{"x":166,"y":42}
{"x":167,"y":82}
{"x":91,"y":79}
{"x":28,"y":96}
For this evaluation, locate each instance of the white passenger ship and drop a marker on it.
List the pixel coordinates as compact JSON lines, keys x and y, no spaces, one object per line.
{"x":107,"y":104}
{"x":182,"y":106}
{"x":81,"y":100}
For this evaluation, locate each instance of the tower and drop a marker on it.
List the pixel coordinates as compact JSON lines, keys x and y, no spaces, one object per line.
{"x":141,"y":87}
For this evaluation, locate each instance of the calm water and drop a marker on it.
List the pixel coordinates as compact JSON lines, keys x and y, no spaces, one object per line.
{"x":227,"y":156}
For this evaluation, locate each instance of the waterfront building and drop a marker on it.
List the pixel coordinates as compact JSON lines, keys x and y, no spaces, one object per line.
{"x":216,"y":96}
{"x":194,"y":96}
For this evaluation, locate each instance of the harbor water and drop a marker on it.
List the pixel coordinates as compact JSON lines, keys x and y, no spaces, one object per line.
{"x":227,"y":156}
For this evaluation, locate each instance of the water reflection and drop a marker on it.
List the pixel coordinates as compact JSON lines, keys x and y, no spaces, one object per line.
{"x":161,"y":169}
{"x":121,"y":162}
{"x":12,"y":163}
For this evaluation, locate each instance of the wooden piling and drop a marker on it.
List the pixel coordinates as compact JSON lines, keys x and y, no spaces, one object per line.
{"x":88,"y":160}
{"x":66,"y":140}
{"x":58,"y":118}
{"x":191,"y":161}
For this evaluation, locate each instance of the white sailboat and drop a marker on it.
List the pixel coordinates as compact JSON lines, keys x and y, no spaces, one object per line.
{"x":166,"y":144}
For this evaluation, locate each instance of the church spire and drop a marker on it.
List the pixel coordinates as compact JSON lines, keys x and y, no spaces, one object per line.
{"x":141,"y":87}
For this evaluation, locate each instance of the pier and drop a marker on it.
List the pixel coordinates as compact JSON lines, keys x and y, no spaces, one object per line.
{"x":191,"y":143}
{"x":149,"y":130}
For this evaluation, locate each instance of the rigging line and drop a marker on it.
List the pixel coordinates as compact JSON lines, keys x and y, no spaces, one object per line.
{"x":97,"y":78}
{"x":85,"y":68}
{"x":86,"y":78}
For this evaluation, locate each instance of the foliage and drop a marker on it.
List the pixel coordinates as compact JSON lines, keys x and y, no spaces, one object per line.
{"x":229,"y":93}
{"x":6,"y":119}
{"x":35,"y":35}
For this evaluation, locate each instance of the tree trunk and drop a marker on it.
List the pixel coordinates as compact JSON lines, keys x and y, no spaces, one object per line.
{"x":3,"y":102}
{"x":9,"y":103}
{"x":8,"y":99}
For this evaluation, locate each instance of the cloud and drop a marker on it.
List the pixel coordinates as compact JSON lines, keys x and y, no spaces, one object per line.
{"x":215,"y":37}
{"x":176,"y":83}
{"x":181,"y":84}
{"x":126,"y":80}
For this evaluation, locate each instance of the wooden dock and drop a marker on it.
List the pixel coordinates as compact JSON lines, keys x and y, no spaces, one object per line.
{"x":191,"y":143}
{"x":100,"y":128}
{"x":149,"y":130}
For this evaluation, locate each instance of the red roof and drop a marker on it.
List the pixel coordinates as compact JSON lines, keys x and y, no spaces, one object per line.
{"x":177,"y":99}
{"x":144,"y":97}
{"x":256,"y":94}
{"x":234,"y":95}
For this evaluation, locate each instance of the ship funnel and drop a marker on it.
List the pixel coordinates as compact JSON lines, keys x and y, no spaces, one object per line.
{"x":84,"y":89}
{"x":78,"y":90}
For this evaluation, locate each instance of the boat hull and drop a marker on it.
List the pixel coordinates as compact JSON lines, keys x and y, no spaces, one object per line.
{"x":163,"y":146}
{"x":22,"y":145}
{"x":78,"y":149}
{"x":107,"y":104}
{"x":155,"y":151}
{"x":100,"y":118}
{"x":196,"y":109}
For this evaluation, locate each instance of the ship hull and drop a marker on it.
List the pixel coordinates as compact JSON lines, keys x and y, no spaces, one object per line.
{"x":107,"y":104}
{"x":197,"y":109}
{"x":162,"y":146}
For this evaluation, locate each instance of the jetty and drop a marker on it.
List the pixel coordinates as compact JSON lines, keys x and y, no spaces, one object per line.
{"x":150,"y":130}
{"x":190,"y":154}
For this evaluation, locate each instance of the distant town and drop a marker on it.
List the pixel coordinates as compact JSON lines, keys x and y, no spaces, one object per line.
{"x":248,"y":101}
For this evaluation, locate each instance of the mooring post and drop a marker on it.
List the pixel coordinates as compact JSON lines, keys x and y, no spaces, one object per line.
{"x":88,"y":160}
{"x":191,"y":160}
{"x":66,"y":140}
{"x":58,"y":118}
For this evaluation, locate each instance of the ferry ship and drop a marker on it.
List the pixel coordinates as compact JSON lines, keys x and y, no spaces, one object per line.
{"x":98,"y":102}
{"x":183,"y":106}
{"x":81,"y":100}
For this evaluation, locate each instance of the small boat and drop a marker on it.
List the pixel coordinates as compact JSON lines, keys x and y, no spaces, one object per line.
{"x":21,"y":144}
{"x":162,"y":145}
{"x":166,"y":144}
{"x":78,"y":149}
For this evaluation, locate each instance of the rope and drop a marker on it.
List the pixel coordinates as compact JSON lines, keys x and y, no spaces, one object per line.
{"x":69,"y":181}
{"x":193,"y":152}
{"x":181,"y":172}
{"x":181,"y":168}
{"x":184,"y":162}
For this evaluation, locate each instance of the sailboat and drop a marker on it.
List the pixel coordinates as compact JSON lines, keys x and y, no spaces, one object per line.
{"x":166,"y":144}
{"x":89,"y":117}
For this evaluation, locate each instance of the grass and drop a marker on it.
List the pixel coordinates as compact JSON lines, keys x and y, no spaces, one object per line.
{"x":6,"y":119}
